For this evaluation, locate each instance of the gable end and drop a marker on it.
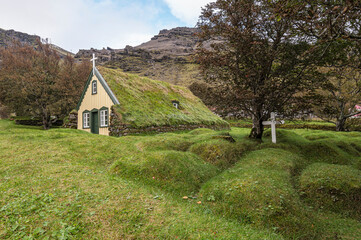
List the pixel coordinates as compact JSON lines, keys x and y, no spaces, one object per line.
{"x":104,"y":84}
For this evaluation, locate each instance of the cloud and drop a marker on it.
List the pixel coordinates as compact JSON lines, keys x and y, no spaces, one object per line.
{"x":187,"y":10}
{"x":77,"y":24}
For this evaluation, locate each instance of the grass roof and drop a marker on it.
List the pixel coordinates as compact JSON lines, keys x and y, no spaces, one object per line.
{"x":145,"y":102}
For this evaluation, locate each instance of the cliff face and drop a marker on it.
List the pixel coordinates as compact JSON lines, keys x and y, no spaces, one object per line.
{"x":168,"y":57}
{"x":7,"y":36}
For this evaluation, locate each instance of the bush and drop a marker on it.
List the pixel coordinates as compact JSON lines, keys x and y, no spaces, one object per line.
{"x":258,"y":190}
{"x":175,"y":171}
{"x":30,"y":121}
{"x":354,"y":124}
{"x":332,"y":187}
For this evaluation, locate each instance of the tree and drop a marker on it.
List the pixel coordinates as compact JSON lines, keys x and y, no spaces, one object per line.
{"x":36,"y":82}
{"x":339,"y":96}
{"x":257,"y":54}
{"x":335,"y":28}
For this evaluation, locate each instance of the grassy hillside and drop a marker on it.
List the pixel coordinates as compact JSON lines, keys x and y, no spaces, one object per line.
{"x":68,"y":184}
{"x":145,"y":102}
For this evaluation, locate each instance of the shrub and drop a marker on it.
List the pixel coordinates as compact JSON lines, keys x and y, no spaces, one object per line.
{"x":332,"y":187}
{"x":175,"y":171}
{"x":353,"y":124}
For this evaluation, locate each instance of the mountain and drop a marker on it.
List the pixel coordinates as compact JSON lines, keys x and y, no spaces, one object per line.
{"x":7,"y":36}
{"x":168,"y":57}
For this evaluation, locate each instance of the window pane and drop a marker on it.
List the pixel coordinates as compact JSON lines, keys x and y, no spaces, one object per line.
{"x":86,"y":119}
{"x":106,"y":117}
{"x":94,"y":87}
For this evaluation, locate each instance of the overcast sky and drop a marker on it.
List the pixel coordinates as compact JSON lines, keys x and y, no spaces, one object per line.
{"x":82,"y":24}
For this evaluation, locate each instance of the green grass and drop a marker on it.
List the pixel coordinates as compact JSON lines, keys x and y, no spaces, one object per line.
{"x":68,"y":184}
{"x":59,"y":184}
{"x":332,"y":186}
{"x":145,"y":102}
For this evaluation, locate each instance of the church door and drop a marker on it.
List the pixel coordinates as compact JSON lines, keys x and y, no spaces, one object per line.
{"x":95,"y":122}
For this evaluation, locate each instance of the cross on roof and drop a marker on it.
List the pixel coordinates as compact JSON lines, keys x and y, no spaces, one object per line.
{"x":93,"y":60}
{"x":273,"y":123}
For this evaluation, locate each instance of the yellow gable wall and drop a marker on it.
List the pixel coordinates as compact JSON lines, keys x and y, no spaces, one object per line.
{"x":99,"y":100}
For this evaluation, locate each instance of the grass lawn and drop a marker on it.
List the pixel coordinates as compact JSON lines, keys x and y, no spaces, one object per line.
{"x":68,"y":184}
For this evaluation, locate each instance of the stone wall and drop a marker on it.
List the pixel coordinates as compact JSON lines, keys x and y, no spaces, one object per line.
{"x":118,"y":129}
{"x":72,"y":121}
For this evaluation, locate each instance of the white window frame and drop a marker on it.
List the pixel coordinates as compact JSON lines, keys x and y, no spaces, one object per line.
{"x":104,"y":118}
{"x":86,"y":120}
{"x":94,"y":87}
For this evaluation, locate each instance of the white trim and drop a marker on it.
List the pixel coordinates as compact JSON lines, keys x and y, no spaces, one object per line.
{"x":94,"y":87}
{"x":104,"y":118}
{"x":86,"y":119}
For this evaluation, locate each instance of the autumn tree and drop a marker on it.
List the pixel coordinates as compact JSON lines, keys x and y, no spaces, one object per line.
{"x":36,"y":82}
{"x":335,"y":28}
{"x":339,"y":95}
{"x":257,"y":54}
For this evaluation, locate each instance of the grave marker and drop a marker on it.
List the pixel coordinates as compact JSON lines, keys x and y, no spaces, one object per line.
{"x":273,"y":123}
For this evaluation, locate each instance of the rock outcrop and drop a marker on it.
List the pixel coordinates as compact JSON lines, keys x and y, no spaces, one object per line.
{"x":168,"y":56}
{"x":8,"y":36}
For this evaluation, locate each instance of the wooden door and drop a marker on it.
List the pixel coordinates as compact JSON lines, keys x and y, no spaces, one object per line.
{"x":95,"y":122}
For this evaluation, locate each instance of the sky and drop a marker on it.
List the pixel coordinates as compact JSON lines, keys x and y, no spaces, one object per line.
{"x":85,"y":24}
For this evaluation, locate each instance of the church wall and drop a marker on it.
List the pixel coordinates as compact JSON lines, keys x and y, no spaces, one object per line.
{"x":96,"y":101}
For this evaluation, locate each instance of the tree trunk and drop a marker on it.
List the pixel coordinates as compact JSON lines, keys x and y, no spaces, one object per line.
{"x":46,"y":120}
{"x":257,"y":128}
{"x":340,"y":124}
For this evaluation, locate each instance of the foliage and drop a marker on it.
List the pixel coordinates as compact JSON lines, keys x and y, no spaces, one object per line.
{"x":325,"y":21}
{"x":34,"y":81}
{"x":342,"y":91}
{"x":145,"y":102}
{"x":256,"y":56}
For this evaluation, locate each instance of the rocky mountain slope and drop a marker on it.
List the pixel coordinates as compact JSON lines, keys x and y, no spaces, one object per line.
{"x":168,"y":57}
{"x":7,"y":36}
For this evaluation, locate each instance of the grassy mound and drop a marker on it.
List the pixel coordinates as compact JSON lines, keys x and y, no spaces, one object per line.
{"x":318,"y":146}
{"x":258,"y":190}
{"x":180,"y":172}
{"x":220,"y":153}
{"x":332,"y":187}
{"x":145,"y":102}
{"x":61,"y":184}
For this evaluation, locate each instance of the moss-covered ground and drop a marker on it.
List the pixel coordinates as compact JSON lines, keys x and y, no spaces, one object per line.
{"x":68,"y":184}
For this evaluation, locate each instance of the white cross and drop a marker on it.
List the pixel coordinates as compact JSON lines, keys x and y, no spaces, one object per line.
{"x":273,"y":123}
{"x":93,"y":60}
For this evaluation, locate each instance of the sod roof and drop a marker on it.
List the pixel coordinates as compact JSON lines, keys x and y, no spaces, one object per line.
{"x":144,"y":102}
